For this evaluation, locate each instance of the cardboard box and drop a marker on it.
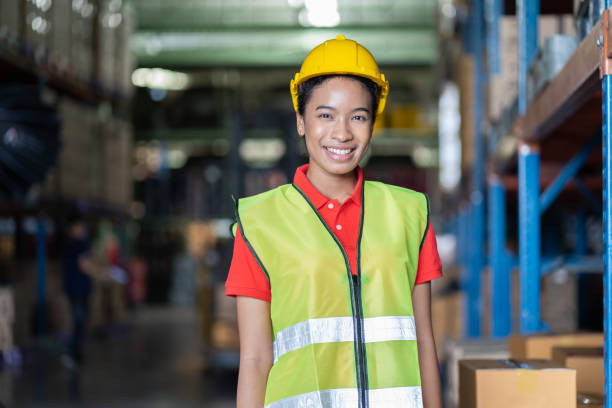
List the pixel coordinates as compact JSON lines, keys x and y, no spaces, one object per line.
{"x":467,"y":129}
{"x":589,"y":372}
{"x":7,"y":305}
{"x":447,"y":319}
{"x":225,"y":335}
{"x":468,"y":349}
{"x":6,"y":336}
{"x":541,"y":345}
{"x":560,"y":354}
{"x":516,"y":383}
{"x":588,"y":363}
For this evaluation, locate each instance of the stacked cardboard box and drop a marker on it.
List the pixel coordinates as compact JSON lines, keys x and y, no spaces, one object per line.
{"x":95,"y":161}
{"x":516,"y":383}
{"x":225,"y":321}
{"x":117,"y":162}
{"x":468,"y":349}
{"x":37,"y":28}
{"x":447,"y":319}
{"x":61,"y":36}
{"x":541,"y":345}
{"x":7,"y":318}
{"x":125,"y":61}
{"x":108,"y":20}
{"x":76,"y":171}
{"x":588,"y":363}
{"x":82,"y":39}
{"x":466,"y":109}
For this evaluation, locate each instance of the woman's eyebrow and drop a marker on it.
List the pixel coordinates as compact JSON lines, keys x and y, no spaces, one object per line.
{"x":361,"y":109}
{"x":324,"y":107}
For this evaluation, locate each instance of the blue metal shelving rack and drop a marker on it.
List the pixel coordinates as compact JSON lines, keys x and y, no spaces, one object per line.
{"x":585,"y":76}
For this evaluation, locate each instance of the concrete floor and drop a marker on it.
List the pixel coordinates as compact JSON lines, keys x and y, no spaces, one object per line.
{"x":156,"y":363}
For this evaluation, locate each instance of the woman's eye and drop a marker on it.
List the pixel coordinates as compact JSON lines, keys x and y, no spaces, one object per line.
{"x":360,"y":117}
{"x":324,"y":116}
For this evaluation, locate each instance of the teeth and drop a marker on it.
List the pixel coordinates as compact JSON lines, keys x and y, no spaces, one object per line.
{"x":338,"y":151}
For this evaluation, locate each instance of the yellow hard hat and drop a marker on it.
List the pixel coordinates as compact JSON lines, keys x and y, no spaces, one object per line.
{"x":340,"y":56}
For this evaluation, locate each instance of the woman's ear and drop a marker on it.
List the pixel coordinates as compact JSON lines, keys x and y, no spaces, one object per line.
{"x":299,"y":119}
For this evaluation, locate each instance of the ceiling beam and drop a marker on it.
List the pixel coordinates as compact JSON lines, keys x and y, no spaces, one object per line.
{"x":211,"y":14}
{"x":390,"y":46}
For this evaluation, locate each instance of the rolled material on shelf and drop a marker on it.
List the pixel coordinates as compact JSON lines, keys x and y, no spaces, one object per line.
{"x":29,"y":139}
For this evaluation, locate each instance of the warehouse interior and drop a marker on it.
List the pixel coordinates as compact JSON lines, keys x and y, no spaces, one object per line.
{"x":135,"y":122}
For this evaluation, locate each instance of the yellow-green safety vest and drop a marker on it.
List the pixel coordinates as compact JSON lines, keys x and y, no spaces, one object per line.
{"x":339,"y":340}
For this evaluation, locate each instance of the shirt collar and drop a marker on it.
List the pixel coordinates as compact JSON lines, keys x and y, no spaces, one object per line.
{"x":315,"y":196}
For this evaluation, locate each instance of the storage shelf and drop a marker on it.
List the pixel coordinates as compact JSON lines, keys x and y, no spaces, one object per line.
{"x":14,"y":64}
{"x":567,"y":108}
{"x":567,"y":92}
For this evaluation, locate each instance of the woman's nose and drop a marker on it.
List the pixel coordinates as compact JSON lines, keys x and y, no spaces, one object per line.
{"x":342,"y":131}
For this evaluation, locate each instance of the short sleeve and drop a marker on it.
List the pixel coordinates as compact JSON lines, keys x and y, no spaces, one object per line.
{"x":430,"y":266}
{"x":245,"y":277}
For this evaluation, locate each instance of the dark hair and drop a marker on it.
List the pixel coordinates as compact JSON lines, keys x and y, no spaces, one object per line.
{"x":74,"y":217}
{"x":305,"y":90}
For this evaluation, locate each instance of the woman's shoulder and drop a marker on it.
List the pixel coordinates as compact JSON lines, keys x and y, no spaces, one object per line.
{"x":377,"y":186}
{"x":263,"y":198}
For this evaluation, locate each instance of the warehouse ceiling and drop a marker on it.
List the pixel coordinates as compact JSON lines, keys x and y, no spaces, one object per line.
{"x":256,"y":33}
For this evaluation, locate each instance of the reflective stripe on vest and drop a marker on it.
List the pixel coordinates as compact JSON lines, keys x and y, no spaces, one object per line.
{"x":399,"y":397}
{"x":336,"y":329}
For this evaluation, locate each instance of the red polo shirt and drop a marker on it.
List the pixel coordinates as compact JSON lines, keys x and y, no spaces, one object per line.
{"x":246,"y":278}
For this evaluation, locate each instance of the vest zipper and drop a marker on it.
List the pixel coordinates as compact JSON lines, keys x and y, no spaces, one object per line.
{"x":356,"y":304}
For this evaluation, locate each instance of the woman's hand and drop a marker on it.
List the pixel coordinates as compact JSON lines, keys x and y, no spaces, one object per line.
{"x":428,"y":359}
{"x":256,"y":355}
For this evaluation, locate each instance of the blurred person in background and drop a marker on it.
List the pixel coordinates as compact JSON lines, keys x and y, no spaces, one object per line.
{"x":332,"y":273}
{"x":79,"y":267}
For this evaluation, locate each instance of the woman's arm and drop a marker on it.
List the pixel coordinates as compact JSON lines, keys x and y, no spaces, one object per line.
{"x":428,"y":359}
{"x":255,"y":351}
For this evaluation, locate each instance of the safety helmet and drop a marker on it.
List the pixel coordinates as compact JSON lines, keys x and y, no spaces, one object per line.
{"x":340,"y":56}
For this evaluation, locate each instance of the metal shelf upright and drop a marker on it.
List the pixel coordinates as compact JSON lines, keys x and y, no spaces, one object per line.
{"x":472,"y":218}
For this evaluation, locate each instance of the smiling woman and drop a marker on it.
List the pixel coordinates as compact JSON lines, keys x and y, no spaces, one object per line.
{"x":332,"y":272}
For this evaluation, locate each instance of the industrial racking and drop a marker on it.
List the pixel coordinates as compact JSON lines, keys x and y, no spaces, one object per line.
{"x":566,"y":121}
{"x":19,"y":63}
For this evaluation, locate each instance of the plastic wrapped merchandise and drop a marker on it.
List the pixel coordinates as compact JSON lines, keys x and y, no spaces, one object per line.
{"x":61,"y":36}
{"x":549,"y":60}
{"x":10,"y":23}
{"x":38,"y":28}
{"x":81,"y":40}
{"x":109,"y":19}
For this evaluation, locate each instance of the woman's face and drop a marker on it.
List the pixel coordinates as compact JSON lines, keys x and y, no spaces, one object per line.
{"x":337,"y":124}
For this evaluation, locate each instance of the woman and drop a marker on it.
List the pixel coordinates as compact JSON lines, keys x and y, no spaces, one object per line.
{"x":332,"y":273}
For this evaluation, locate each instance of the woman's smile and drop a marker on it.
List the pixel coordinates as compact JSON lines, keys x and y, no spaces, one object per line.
{"x":339,"y":154}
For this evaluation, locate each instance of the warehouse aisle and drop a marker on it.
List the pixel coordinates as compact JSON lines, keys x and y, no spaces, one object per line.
{"x":156,"y":363}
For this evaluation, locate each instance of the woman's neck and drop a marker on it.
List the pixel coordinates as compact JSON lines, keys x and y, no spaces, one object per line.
{"x":333,"y":186}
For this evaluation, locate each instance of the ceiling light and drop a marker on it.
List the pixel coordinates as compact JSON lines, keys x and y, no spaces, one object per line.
{"x":158,"y":78}
{"x":320,"y":13}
